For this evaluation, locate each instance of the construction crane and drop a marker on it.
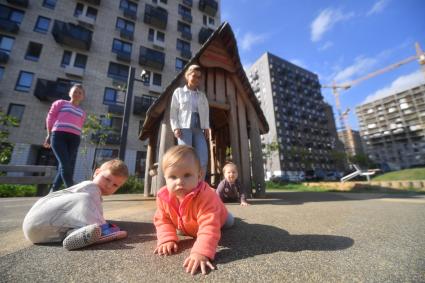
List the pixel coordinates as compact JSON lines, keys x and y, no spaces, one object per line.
{"x":420,"y":56}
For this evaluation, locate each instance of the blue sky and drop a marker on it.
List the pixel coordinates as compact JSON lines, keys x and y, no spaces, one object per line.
{"x":337,"y":40}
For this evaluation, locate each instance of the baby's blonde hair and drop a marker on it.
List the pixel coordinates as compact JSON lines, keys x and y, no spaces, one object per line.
{"x":176,"y":153}
{"x":229,"y":164}
{"x":191,"y":69}
{"x":116,"y":166}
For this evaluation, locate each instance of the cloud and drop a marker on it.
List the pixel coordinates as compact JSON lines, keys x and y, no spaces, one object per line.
{"x":249,"y":39}
{"x":400,"y":84}
{"x":325,"y":21}
{"x":360,"y":66}
{"x":377,"y":7}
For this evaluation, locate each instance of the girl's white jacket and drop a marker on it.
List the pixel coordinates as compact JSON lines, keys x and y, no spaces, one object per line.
{"x":181,"y":109}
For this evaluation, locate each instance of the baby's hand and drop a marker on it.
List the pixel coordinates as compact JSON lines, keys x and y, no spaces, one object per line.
{"x":167,"y":248}
{"x":244,"y":203}
{"x":194,"y":260}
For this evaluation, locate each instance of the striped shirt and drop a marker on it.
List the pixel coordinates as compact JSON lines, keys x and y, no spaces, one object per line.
{"x":65,"y":117}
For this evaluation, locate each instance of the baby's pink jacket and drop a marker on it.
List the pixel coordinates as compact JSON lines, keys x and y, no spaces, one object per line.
{"x":201,"y":214}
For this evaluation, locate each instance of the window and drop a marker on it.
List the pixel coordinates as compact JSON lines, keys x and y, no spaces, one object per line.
{"x":180,"y":64}
{"x":51,"y":4}
{"x":156,"y":35}
{"x":6,"y":43}
{"x":33,"y":51}
{"x":208,"y":21}
{"x":82,"y":10}
{"x":128,"y":5}
{"x":185,"y":12}
{"x":118,"y":71}
{"x":161,"y":1}
{"x":10,"y":14}
{"x":182,"y":27}
{"x":102,"y":155}
{"x":24,"y":81}
{"x":16,"y":111}
{"x":125,"y":25}
{"x":1,"y":73}
{"x":183,"y":45}
{"x":42,"y":24}
{"x":156,"y":80}
{"x":74,"y":59}
{"x":121,"y":46}
{"x":110,"y":96}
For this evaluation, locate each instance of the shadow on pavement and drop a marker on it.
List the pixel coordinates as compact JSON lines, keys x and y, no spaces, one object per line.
{"x":246,"y":240}
{"x":291,"y":198}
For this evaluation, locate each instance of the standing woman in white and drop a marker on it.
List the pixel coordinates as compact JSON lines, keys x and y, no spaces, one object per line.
{"x":190,"y":116}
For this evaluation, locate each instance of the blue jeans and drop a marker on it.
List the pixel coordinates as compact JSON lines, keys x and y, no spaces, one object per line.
{"x":195,"y":137}
{"x":65,"y":147}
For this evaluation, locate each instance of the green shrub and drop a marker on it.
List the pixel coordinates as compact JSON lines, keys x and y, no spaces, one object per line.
{"x":17,"y":191}
{"x":132,"y":186}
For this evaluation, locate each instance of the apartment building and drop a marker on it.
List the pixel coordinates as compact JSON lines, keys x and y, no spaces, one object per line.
{"x":353,"y":145}
{"x":299,"y":119}
{"x":47,"y":45}
{"x":393,"y":129}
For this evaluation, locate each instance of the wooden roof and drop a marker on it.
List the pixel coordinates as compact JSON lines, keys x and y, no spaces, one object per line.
{"x":220,"y":47}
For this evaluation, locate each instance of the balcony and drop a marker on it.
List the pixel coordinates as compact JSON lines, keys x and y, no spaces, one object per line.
{"x":187,"y":54}
{"x":46,"y":90}
{"x":117,"y":109}
{"x":4,"y":57}
{"x":72,"y":35}
{"x":20,"y":3}
{"x":74,"y":71}
{"x":125,"y":34}
{"x":132,"y":15}
{"x":142,"y":104}
{"x":209,"y":7}
{"x":188,"y":3}
{"x":186,"y":35}
{"x":111,"y":138}
{"x":151,"y":58}
{"x":186,"y":17}
{"x":123,"y":56}
{"x":155,"y":16}
{"x":9,"y":26}
{"x":204,"y":34}
{"x":93,"y":2}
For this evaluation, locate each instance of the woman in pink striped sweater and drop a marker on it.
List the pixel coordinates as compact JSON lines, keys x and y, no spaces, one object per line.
{"x":64,"y":124}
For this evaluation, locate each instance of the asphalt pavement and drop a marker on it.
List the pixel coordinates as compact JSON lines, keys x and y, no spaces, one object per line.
{"x":286,"y":237}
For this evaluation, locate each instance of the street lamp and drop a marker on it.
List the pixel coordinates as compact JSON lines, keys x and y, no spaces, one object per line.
{"x":127,"y":107}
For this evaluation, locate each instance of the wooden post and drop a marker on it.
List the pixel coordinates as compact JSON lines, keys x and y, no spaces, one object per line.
{"x":233,"y":123}
{"x":245,"y":169}
{"x":149,"y":163}
{"x":256,"y":153}
{"x":166,"y":141}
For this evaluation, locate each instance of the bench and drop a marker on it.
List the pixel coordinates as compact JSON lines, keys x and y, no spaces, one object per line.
{"x":44,"y":177}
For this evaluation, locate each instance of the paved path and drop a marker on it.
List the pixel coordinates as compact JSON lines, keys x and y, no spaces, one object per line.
{"x":293,"y":237}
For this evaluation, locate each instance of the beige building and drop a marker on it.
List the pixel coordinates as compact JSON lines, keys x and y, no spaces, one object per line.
{"x":352,"y":146}
{"x":291,"y":100}
{"x":47,"y":45}
{"x":393,"y":129}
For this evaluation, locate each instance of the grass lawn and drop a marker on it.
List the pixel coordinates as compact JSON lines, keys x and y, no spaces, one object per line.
{"x":405,"y":175}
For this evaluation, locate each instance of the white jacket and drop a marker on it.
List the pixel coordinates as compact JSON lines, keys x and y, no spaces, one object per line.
{"x":181,"y":109}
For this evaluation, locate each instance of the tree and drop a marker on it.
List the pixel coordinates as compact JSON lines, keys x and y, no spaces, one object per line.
{"x":363,"y":161}
{"x":269,"y":149}
{"x":6,"y":121}
{"x":94,"y":133}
